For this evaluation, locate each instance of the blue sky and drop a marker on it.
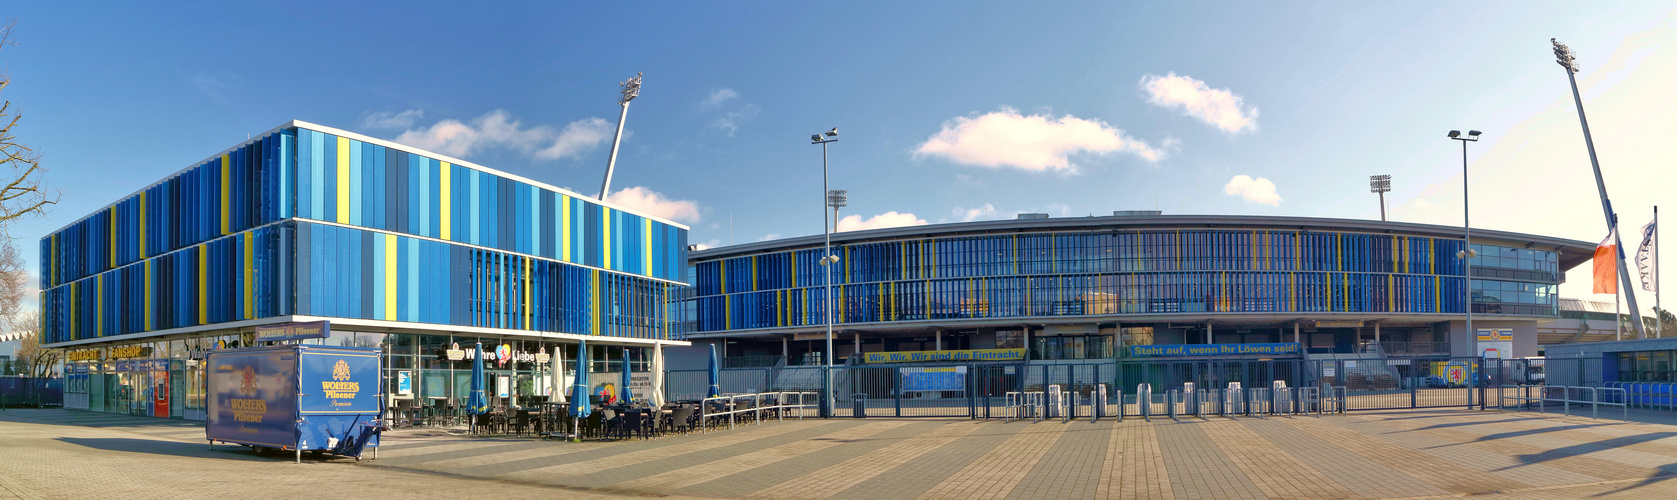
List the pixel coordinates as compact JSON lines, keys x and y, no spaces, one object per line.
{"x":947,"y":112}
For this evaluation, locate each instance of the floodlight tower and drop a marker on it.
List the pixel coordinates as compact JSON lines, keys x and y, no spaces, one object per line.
{"x":1380,"y":184}
{"x":631,"y":89}
{"x":1568,"y":60}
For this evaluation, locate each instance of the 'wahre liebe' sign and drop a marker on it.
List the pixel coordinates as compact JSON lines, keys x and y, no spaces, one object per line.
{"x":969,"y":355}
{"x":1212,"y":349}
{"x":293,"y":331}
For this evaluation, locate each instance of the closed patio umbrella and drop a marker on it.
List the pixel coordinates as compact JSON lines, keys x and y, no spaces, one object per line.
{"x":477,"y":403}
{"x":579,"y":391}
{"x":657,"y":375}
{"x":626,"y":395}
{"x":558,"y":385}
{"x":715,"y":376}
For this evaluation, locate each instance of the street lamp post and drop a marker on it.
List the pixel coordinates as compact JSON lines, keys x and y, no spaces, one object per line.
{"x":827,"y":257}
{"x":1467,"y":252}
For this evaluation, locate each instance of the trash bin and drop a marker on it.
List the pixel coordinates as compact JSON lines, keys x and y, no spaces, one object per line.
{"x":860,"y":407}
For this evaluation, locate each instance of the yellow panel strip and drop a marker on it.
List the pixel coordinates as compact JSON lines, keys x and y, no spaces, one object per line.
{"x":227,"y":192}
{"x":565,"y":230}
{"x":647,"y":240}
{"x":111,"y":249}
{"x":343,"y":180}
{"x":390,"y":276}
{"x":445,"y":213}
{"x":754,"y":273}
{"x":250,"y":274}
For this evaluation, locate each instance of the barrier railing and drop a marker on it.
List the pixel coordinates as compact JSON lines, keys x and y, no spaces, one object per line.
{"x":1654,"y":395}
{"x":1022,"y":405}
{"x":1547,"y":394}
{"x":780,"y":403}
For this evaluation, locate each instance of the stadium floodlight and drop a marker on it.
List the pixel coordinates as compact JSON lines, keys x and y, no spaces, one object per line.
{"x":630,"y":89}
{"x":1380,"y":184}
{"x":1567,"y":59}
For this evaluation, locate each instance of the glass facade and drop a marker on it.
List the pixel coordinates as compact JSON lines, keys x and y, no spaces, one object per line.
{"x":304,"y":222}
{"x":1105,"y":272}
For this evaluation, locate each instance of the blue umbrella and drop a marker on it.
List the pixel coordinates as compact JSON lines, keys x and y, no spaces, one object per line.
{"x":477,"y":404}
{"x":624,"y":391}
{"x":579,"y":390}
{"x":715,"y":387}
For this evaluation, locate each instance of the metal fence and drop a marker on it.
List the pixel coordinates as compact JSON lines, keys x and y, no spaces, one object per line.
{"x":31,"y":392}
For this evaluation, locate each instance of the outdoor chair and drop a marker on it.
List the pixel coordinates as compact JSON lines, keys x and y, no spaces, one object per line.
{"x":592,"y":424}
{"x":609,"y":422}
{"x":681,"y":419}
{"x":521,"y":422}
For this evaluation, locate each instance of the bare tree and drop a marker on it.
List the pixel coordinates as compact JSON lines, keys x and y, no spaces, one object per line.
{"x":32,"y":359}
{"x":21,"y":191}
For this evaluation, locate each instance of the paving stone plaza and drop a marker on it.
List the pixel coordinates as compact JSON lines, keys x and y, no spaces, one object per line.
{"x":1400,"y":454}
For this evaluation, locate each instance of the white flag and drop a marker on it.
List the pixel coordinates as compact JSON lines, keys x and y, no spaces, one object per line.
{"x":1645,"y":260}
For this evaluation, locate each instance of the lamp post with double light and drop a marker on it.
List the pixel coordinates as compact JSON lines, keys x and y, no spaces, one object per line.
{"x":1467,"y":254}
{"x":833,"y":199}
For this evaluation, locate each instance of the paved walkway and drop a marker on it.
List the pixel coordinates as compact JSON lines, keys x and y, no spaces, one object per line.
{"x":1398,"y":454}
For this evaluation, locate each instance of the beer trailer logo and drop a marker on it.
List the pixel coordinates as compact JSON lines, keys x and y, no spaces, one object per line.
{"x":340,"y":387}
{"x":248,"y":410}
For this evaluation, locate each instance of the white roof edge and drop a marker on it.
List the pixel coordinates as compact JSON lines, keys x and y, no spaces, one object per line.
{"x":474,"y":166}
{"x":362,"y":138}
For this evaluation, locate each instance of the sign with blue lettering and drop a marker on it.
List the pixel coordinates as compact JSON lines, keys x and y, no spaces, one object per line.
{"x":1176,"y":350}
{"x":293,"y":331}
{"x":252,"y":397}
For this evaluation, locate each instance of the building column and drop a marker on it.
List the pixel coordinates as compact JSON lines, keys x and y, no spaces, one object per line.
{"x":857,"y":346}
{"x":939,"y":340}
{"x":1296,"y":333}
{"x":1377,"y":332}
{"x":1208,"y":332}
{"x":785,"y":347}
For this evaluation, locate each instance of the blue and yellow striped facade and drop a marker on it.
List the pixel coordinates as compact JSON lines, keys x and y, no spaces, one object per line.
{"x":307,"y":220}
{"x":1108,"y":272}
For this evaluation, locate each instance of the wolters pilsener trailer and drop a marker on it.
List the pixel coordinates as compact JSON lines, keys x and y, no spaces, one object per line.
{"x":295,"y":398}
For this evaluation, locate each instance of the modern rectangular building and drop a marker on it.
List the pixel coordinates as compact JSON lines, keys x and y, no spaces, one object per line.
{"x":422,"y":254}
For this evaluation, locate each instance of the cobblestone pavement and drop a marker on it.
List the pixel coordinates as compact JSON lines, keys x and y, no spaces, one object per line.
{"x":1398,"y":454}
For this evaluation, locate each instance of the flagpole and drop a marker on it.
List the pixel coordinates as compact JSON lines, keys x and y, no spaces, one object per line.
{"x":1659,"y":320}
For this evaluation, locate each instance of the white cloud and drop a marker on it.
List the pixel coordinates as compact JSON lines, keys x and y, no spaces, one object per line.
{"x":389,"y":120}
{"x":1219,"y":108}
{"x":988,"y":211}
{"x":1036,"y":143}
{"x":884,"y":220}
{"x":720,"y":96}
{"x":770,"y":236}
{"x":708,"y":244}
{"x":215,"y":84}
{"x":498,"y":129}
{"x":650,"y":202}
{"x":732,"y":110}
{"x":1259,"y":190}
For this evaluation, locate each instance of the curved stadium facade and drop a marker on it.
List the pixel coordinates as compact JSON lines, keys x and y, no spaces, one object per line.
{"x":1088,"y":287}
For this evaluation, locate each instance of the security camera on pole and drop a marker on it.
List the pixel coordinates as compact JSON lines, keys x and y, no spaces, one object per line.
{"x":834,"y":199}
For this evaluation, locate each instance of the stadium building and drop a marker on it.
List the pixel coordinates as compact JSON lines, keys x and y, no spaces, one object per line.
{"x":419,"y":253}
{"x":1132,"y":287}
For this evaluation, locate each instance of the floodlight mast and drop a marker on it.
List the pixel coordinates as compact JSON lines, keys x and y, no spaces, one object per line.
{"x":1380,"y":184}
{"x":1567,"y":59}
{"x":631,"y":89}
